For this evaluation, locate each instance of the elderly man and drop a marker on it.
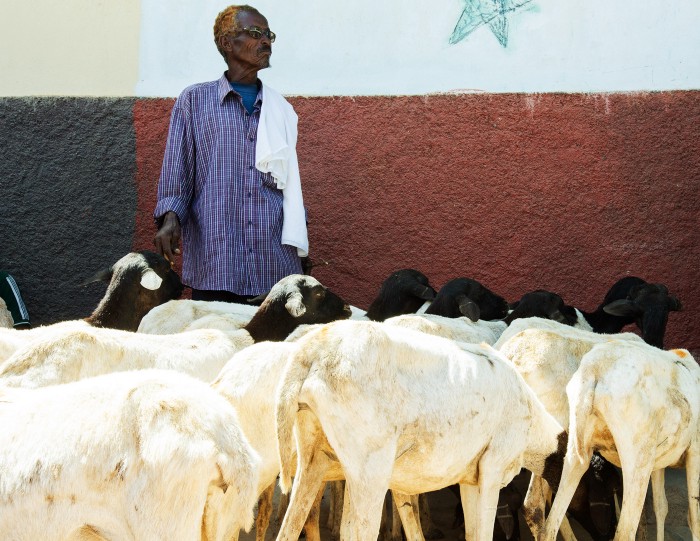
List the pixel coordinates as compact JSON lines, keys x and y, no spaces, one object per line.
{"x":230,"y":178}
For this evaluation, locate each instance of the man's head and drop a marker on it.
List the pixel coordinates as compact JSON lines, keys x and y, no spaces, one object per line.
{"x":243,"y":37}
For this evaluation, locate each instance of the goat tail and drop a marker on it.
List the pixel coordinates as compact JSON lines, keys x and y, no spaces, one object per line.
{"x":295,"y":373}
{"x":240,"y":473}
{"x":581,"y":393}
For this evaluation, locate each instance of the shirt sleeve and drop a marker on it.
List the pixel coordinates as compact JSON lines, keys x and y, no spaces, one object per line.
{"x":176,"y":182}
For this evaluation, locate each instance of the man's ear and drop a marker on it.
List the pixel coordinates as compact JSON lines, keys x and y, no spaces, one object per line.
{"x":225,"y":43}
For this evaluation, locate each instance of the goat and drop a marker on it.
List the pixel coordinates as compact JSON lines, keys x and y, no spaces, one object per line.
{"x":639,"y":406}
{"x":138,"y":282}
{"x":407,"y":411}
{"x":141,"y":456}
{"x":403,"y":292}
{"x":547,"y":354}
{"x":629,"y":300}
{"x":467,"y":297}
{"x":70,"y":354}
{"x":184,"y":314}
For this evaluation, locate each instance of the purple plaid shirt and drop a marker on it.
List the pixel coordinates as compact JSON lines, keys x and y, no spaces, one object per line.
{"x":231,"y":213}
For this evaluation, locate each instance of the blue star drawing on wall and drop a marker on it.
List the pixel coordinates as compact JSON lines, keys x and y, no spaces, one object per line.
{"x":491,"y":12}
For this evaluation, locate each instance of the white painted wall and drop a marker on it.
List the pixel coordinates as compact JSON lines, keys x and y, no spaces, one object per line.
{"x":69,"y":48}
{"x":351,"y":47}
{"x":394,"y":47}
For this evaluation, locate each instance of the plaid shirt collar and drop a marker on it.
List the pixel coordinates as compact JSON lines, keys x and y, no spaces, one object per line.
{"x":225,"y":89}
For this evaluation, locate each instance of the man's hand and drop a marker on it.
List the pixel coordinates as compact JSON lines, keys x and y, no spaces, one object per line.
{"x":167,"y":239}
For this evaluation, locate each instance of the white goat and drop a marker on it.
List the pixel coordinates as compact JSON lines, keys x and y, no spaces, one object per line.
{"x":406,"y":411}
{"x":249,"y":382}
{"x":68,"y":355}
{"x":639,"y":407}
{"x":180,"y":315}
{"x":138,"y":456}
{"x":404,"y":290}
{"x":547,"y":354}
{"x":461,"y":329}
{"x":12,"y":340}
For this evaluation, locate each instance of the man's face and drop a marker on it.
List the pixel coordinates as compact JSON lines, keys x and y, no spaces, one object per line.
{"x":245,"y":50}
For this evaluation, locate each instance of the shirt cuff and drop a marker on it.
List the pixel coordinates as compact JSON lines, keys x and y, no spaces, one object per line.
{"x":170,"y":204}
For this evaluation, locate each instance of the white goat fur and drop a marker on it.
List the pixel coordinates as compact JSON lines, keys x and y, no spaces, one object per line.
{"x":12,"y":339}
{"x":639,"y":407}
{"x":461,"y":329}
{"x":582,"y":322}
{"x":547,"y":354}
{"x":6,"y":321}
{"x":139,"y":456}
{"x":249,"y":382}
{"x":179,"y":315}
{"x":69,"y":354}
{"x":405,"y":411}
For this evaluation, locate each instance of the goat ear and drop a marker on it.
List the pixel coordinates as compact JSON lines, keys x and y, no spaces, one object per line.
{"x":422,"y":292}
{"x":104,"y":275}
{"x":259,"y":299}
{"x":622,"y":308}
{"x":468,"y":307}
{"x":295,"y":305}
{"x":674,"y":303}
{"x":558,"y":316}
{"x":151,"y":280}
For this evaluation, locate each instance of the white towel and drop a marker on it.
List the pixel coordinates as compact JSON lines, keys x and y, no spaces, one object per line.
{"x":276,"y":153}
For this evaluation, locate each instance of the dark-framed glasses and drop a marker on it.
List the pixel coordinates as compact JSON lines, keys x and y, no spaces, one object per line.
{"x":256,"y":32}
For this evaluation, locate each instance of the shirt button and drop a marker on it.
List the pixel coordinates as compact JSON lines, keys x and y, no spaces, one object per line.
{"x":248,"y":194}
{"x":250,"y":250}
{"x":250,"y":222}
{"x":251,"y":138}
{"x":251,"y":167}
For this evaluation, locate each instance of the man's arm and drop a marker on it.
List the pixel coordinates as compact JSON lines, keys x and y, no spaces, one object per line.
{"x":175,"y":185}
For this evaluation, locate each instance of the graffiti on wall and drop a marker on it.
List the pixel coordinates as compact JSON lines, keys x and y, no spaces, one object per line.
{"x":493,"y":13}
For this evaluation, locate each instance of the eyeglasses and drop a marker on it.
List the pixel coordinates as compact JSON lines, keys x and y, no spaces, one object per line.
{"x":256,"y":32}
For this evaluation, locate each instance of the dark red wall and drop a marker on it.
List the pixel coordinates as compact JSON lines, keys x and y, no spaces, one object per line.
{"x":567,"y":192}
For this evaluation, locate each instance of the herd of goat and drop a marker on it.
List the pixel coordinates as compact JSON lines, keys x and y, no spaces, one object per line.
{"x":163,"y":419}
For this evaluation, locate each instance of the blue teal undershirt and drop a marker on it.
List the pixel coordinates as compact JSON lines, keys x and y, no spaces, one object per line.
{"x":248,"y":94}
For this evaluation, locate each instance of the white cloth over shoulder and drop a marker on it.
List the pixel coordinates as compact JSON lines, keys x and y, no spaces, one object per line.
{"x":276,"y":153}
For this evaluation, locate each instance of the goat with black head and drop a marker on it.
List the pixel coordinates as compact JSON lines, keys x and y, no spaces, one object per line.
{"x":466,"y":297}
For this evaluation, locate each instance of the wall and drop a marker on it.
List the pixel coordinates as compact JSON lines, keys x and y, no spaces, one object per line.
{"x":546,"y":175}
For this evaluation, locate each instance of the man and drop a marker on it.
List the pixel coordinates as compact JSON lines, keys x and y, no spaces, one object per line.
{"x":230,"y":178}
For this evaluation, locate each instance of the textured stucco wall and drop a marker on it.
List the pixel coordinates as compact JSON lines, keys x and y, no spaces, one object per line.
{"x":68,"y":198}
{"x":567,"y":192}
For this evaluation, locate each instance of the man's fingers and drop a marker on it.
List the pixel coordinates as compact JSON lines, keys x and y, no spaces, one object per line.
{"x":158,"y":244}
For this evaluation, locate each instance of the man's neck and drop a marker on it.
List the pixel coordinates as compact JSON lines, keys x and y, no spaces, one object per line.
{"x":246,"y":77}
